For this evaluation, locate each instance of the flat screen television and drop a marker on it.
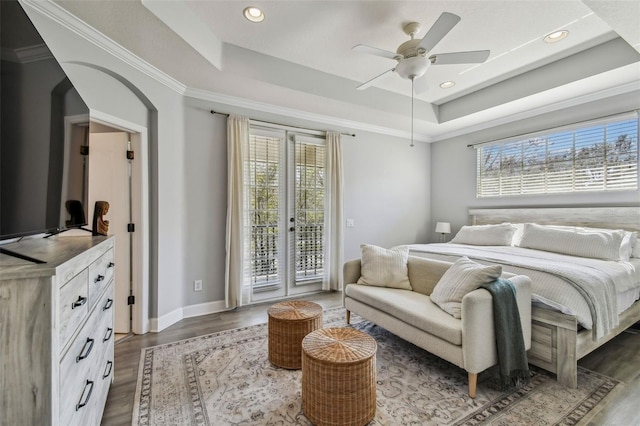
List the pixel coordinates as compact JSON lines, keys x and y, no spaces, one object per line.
{"x":44,"y":130}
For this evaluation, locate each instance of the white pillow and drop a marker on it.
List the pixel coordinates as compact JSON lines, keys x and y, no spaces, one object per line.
{"x":486,"y":235}
{"x":628,"y":243}
{"x":593,"y":242}
{"x":461,"y":278}
{"x":384,"y":267}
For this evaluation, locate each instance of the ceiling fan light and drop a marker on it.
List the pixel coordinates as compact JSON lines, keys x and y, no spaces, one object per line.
{"x":414,"y":67}
{"x":447,"y":84}
{"x":556,"y":36}
{"x":253,"y":14}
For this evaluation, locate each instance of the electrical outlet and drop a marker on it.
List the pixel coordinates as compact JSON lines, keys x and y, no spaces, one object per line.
{"x":197,"y":285}
{"x":350,"y":223}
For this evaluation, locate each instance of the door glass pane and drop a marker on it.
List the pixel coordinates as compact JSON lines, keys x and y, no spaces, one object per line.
{"x":262,"y":185}
{"x":309,"y":193}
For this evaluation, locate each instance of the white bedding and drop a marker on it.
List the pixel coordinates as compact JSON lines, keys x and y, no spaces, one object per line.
{"x":622,"y":279}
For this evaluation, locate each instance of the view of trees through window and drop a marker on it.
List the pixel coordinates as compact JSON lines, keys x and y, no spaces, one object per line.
{"x":600,"y":157}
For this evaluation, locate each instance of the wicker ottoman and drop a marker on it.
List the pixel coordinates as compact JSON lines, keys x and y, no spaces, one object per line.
{"x":289,"y":322}
{"x":339,"y":377}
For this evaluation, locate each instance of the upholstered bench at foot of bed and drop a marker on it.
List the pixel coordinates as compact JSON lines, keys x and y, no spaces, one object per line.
{"x":469,"y":342}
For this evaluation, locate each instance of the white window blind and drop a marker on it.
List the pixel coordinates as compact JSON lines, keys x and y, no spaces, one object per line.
{"x":309,"y":198}
{"x":599,"y":155}
{"x":264,"y":191}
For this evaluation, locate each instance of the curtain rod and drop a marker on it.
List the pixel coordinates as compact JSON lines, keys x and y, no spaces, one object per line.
{"x":285,"y":125}
{"x":633,"y":111}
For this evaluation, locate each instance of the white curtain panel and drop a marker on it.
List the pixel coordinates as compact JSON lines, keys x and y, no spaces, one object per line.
{"x":237,"y":144}
{"x":334,"y":235}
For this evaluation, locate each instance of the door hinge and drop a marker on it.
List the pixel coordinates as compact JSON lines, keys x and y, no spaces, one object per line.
{"x":131,"y":227}
{"x":130,"y":155}
{"x":84,"y":149}
{"x":131,"y":300}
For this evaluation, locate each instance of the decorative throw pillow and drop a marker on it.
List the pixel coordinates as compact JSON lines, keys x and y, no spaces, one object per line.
{"x":384,"y":267}
{"x":486,"y":235}
{"x":461,"y":278}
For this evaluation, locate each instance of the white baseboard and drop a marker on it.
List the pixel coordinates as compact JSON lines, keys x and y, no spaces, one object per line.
{"x":167,"y":320}
{"x":204,"y":309}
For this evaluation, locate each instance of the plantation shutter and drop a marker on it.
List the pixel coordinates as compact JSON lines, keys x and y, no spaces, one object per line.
{"x":264,"y":188}
{"x":600,"y":155}
{"x":309,"y":198}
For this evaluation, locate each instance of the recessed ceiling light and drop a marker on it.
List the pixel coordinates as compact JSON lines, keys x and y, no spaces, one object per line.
{"x":447,"y":84}
{"x":253,"y":14}
{"x":556,"y":36}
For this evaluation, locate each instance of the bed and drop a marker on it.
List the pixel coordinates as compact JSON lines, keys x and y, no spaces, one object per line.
{"x":566,"y":323}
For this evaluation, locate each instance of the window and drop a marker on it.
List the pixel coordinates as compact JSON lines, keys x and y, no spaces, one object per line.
{"x":595,"y":156}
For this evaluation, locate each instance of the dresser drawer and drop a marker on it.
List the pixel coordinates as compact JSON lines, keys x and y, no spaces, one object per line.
{"x":100,"y":275}
{"x":77,"y":375}
{"x":83,"y":386}
{"x":73,"y":306}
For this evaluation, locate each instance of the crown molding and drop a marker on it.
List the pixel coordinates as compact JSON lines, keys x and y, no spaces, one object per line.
{"x":302,"y":115}
{"x":69,"y":21}
{"x":26,"y":55}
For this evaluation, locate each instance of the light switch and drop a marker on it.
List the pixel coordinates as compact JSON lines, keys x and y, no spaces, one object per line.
{"x":350,"y":223}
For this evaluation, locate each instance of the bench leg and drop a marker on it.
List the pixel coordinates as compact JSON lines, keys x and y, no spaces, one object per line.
{"x":348,"y":317}
{"x":473,"y":381}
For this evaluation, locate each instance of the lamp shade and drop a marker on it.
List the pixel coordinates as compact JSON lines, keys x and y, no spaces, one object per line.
{"x":443,"y":227}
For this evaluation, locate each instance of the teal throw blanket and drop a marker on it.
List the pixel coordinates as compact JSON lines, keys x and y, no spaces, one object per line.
{"x":512,"y":356}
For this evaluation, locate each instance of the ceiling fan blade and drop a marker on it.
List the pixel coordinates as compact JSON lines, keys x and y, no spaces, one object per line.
{"x":420,"y":85}
{"x":363,"y":48}
{"x":442,"y":26}
{"x":370,"y":82}
{"x":472,"y":57}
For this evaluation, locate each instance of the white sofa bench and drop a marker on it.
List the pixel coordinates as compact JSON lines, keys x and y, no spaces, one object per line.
{"x":468,"y":342}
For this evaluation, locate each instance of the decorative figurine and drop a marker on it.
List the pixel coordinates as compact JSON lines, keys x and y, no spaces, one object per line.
{"x":100,"y":226}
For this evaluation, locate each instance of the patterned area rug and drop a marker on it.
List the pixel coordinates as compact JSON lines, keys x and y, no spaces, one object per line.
{"x":226,"y":379}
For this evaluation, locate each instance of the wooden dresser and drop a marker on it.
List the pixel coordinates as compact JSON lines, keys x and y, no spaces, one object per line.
{"x":56,"y":331}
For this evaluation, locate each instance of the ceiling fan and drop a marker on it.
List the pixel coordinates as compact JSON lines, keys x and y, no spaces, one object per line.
{"x":412,"y":57}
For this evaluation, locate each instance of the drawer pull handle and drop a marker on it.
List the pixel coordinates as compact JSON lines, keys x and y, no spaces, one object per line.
{"x":98,"y":278}
{"x":108,"y":334}
{"x":108,"y":305}
{"x":85,"y":400}
{"x":81,"y":301}
{"x":111,"y":265}
{"x":84,"y":354}
{"x":107,"y":370}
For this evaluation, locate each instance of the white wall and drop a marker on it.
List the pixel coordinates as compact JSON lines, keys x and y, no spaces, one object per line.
{"x":453,"y":167}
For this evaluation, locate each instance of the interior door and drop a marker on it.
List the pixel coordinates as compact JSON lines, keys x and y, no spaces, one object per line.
{"x":109,"y":181}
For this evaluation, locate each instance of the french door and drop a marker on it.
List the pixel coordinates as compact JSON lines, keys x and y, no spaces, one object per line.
{"x":285,"y":213}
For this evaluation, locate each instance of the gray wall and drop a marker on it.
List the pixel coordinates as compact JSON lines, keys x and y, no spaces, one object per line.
{"x":386,"y":193}
{"x":453,"y":167}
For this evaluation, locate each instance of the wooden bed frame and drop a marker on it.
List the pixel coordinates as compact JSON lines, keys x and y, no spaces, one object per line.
{"x":557,"y":342}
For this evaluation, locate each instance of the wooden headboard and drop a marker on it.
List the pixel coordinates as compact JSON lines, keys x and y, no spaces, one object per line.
{"x":627,"y":218}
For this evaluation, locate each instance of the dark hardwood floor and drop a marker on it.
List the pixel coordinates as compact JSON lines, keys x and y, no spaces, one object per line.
{"x":620,"y":359}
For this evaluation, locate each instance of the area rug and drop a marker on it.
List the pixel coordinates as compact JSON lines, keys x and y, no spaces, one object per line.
{"x":226,"y":379}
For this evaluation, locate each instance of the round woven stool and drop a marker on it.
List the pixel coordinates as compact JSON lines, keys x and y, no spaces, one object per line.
{"x":289,"y":322}
{"x":339,"y":377}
